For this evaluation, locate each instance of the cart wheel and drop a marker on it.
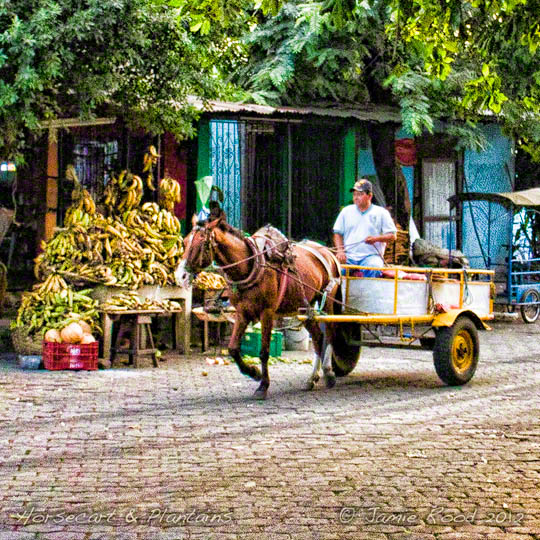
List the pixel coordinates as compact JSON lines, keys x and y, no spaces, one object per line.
{"x":530,"y":313}
{"x":345,"y":356}
{"x":456,"y":352}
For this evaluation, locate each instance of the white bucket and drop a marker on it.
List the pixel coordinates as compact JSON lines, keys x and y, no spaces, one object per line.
{"x":296,"y":339}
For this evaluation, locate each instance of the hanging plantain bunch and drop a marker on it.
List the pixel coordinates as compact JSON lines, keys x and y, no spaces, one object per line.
{"x":150,"y":159}
{"x":169,"y":193}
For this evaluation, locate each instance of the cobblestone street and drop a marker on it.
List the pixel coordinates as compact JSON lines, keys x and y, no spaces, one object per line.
{"x":183,"y":452}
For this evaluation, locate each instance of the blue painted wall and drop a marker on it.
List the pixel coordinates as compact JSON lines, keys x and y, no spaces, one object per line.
{"x":492,"y":170}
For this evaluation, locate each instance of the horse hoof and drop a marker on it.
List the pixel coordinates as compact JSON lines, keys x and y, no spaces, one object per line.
{"x":259,"y":394}
{"x":310,"y":385}
{"x":330,"y":381}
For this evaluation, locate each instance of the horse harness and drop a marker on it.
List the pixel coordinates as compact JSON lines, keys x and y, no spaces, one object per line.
{"x":268,"y":245}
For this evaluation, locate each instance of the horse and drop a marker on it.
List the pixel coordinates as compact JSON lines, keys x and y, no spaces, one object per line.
{"x":268,"y":276}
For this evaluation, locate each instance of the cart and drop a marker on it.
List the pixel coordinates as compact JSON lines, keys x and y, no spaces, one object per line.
{"x":517,"y":270}
{"x":437,"y":309}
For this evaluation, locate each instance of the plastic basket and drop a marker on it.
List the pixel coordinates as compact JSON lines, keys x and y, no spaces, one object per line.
{"x":58,"y":356}
{"x":251,"y":344}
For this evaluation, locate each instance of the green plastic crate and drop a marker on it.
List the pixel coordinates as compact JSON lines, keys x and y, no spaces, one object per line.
{"x":251,"y":344}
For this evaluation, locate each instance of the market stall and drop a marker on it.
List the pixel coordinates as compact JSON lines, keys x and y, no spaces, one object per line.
{"x":104,"y":249}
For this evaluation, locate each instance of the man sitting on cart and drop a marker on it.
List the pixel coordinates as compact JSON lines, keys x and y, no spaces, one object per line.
{"x":363,"y":229}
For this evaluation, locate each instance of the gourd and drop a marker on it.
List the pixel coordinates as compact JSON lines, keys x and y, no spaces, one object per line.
{"x":52,"y":336}
{"x":72,"y":333}
{"x":88,"y":338}
{"x":87,"y":329}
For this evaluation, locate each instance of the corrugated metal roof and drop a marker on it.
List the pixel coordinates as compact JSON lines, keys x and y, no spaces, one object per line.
{"x":376,"y":113}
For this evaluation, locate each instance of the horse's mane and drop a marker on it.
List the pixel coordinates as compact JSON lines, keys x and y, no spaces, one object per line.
{"x":233,"y":230}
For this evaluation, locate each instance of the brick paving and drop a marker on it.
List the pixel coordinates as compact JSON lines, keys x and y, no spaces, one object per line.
{"x":183,"y":452}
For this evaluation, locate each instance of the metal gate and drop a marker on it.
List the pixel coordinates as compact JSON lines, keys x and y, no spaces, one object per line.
{"x":291,"y":173}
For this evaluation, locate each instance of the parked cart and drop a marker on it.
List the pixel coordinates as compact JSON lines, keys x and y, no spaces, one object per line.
{"x":415,"y":308}
{"x":516,"y":260}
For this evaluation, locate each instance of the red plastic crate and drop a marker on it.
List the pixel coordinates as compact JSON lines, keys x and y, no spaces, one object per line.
{"x":70,"y":356}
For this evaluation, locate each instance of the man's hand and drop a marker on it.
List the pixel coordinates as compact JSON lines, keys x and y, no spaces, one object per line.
{"x":341,"y":257}
{"x":371,"y":240}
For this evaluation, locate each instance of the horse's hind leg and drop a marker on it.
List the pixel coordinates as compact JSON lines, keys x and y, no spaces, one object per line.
{"x":329,"y":375}
{"x":239,"y":328}
{"x":317,"y":338}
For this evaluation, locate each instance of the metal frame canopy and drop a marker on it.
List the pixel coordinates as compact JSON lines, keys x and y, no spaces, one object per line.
{"x":527,"y":197}
{"x":518,"y":281}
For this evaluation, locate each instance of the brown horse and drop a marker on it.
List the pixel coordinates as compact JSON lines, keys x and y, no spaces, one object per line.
{"x":268,"y":277}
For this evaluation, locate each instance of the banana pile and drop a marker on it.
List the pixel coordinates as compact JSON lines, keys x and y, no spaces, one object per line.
{"x":130,"y":300}
{"x":54,"y":304}
{"x":133,"y":246}
{"x":209,"y":281}
{"x":169,"y":193}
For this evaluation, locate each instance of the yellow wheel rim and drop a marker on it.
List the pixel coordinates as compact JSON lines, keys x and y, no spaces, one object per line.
{"x":462,"y":351}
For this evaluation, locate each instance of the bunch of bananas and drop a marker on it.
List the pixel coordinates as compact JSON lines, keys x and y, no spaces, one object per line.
{"x":54,"y":304}
{"x":149,"y":161}
{"x":132,"y":245}
{"x":141,"y":246}
{"x":123,"y":192}
{"x":209,"y":281}
{"x":82,"y":209}
{"x":130,"y":300}
{"x":169,"y":193}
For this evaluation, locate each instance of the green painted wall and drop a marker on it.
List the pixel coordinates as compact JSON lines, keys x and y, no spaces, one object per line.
{"x":349,"y":165}
{"x":204,"y":165}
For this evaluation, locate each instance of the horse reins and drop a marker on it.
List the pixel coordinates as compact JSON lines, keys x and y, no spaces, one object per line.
{"x":256,"y":271}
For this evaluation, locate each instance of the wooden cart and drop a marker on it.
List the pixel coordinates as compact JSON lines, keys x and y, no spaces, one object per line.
{"x":424,"y":308}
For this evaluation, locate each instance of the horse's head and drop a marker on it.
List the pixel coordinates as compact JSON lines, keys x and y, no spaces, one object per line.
{"x":198,"y":252}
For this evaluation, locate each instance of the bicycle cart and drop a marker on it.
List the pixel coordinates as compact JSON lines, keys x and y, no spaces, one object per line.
{"x":438,"y":309}
{"x":517,"y":269}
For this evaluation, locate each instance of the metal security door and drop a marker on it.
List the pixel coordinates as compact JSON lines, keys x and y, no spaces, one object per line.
{"x":264,"y":174}
{"x":225,"y":162}
{"x":438,"y":184}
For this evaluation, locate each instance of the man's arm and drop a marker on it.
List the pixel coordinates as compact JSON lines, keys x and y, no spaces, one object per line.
{"x":388,"y":237}
{"x":338,"y":243}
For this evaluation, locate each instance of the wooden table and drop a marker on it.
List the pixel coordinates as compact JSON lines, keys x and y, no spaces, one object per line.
{"x":222,"y":317}
{"x":143,"y":319}
{"x":181,"y":319}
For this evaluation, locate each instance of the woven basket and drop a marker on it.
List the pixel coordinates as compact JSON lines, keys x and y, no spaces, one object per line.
{"x":24,"y":343}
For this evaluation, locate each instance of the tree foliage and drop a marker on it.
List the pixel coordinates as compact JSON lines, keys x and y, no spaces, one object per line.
{"x":453,"y":60}
{"x":78,"y":59}
{"x":434,"y":59}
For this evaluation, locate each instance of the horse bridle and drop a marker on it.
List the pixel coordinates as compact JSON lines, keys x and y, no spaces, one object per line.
{"x":208,"y":244}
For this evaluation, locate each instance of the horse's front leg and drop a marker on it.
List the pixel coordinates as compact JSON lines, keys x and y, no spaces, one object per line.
{"x":267,"y":323}
{"x":240,"y":325}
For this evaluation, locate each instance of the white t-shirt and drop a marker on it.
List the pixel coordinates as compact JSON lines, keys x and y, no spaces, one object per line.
{"x":355,"y":226}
